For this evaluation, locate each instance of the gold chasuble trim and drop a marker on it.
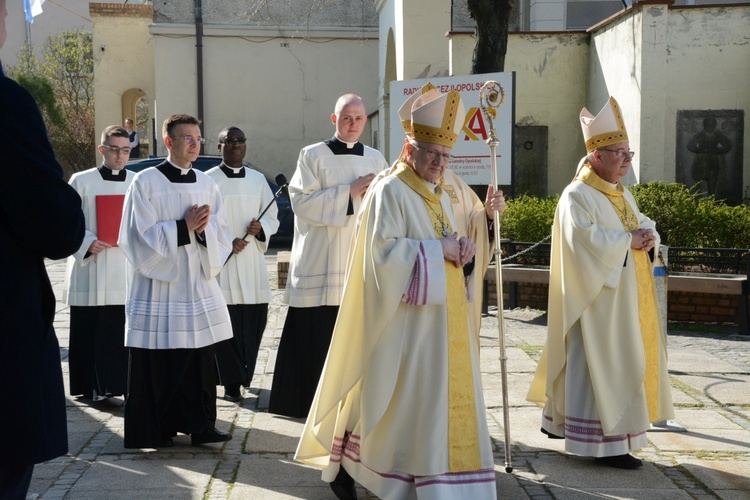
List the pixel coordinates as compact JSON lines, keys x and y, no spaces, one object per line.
{"x":649,"y":315}
{"x":431,"y":200}
{"x":463,"y":433}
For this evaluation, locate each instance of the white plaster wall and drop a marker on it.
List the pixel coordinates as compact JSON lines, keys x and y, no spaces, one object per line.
{"x":127,"y":62}
{"x":279,"y":91}
{"x":709,"y":68}
{"x":654,"y":93}
{"x":616,"y":69}
{"x":461,"y":46}
{"x":551,"y":87}
{"x":425,"y":44}
{"x":657,"y":60}
{"x":388,"y":27}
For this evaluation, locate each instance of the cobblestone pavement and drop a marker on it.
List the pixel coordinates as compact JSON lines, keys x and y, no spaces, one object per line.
{"x":709,"y":373}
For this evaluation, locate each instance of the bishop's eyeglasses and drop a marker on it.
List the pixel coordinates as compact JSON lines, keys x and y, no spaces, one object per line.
{"x":433,"y":155}
{"x":620,"y":153}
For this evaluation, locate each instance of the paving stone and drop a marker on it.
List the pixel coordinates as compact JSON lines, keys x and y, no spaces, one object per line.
{"x":710,"y":373}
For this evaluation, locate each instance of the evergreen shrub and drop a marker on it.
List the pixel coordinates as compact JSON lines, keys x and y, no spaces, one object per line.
{"x":528,"y":218}
{"x":684,"y":218}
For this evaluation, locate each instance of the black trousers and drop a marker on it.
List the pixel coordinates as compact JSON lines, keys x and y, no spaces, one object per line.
{"x":299,"y":362}
{"x":98,"y":358}
{"x":237,"y":356}
{"x":169,"y":391}
{"x":15,"y":480}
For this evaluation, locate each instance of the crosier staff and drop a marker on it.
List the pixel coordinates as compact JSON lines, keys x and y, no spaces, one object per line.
{"x":280,"y":179}
{"x":491,"y":97}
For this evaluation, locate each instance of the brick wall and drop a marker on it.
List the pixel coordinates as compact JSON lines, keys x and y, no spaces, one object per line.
{"x":703,"y":307}
{"x":681,"y":306}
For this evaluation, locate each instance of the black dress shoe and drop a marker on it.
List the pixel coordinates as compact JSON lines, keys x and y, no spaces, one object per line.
{"x":550,"y":435}
{"x":232,"y":394}
{"x":212,"y":436}
{"x":343,"y":486}
{"x":626,"y":461}
{"x":167,"y":443}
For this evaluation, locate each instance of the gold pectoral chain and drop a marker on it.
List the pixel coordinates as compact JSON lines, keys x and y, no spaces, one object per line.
{"x":444,"y":230}
{"x":627,"y":217}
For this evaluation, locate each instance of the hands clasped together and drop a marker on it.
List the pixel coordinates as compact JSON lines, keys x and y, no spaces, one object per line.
{"x":197,"y":218}
{"x":643,"y":239}
{"x":458,"y":250}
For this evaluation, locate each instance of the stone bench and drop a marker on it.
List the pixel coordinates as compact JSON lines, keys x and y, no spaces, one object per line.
{"x":730,"y":285}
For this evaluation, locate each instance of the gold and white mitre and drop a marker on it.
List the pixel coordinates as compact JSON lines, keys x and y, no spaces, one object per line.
{"x":404,"y":112}
{"x":438,"y":120}
{"x":605,"y":128}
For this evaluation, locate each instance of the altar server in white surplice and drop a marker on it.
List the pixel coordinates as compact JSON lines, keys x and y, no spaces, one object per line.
{"x":399,"y":408}
{"x":602,"y":377}
{"x":326,"y":192}
{"x":96,"y":275}
{"x":176,"y":237}
{"x":244,"y":278}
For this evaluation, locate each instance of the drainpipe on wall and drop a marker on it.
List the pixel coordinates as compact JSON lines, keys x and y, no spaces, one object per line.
{"x":199,"y":61}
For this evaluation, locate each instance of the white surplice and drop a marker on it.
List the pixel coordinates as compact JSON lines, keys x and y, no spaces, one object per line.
{"x":96,"y":280}
{"x":319,"y":191}
{"x":174,"y":300}
{"x":244,"y":278}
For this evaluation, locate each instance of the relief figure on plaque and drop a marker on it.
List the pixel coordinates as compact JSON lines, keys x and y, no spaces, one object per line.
{"x":709,"y":145}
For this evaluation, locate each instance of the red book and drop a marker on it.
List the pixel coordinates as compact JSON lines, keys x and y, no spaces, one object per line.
{"x":109,"y":216}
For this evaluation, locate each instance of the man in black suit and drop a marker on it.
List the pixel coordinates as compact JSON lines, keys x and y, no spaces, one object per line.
{"x":40,"y":216}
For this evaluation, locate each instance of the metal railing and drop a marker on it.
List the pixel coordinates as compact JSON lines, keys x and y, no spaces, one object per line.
{"x":681,"y":259}
{"x":710,"y":260}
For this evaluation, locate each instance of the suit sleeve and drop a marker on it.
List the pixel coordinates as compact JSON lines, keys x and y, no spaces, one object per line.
{"x":42,"y":212}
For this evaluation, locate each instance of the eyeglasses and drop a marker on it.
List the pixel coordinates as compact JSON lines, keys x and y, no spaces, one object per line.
{"x":115,"y":150}
{"x":189,"y":139}
{"x":434,"y":155}
{"x":234,"y":142}
{"x":620,"y":153}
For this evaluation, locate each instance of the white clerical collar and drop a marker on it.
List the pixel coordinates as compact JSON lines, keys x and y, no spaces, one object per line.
{"x":183,"y":171}
{"x":432,"y":186}
{"x":349,"y":145}
{"x":112,"y":171}
{"x":234,"y":170}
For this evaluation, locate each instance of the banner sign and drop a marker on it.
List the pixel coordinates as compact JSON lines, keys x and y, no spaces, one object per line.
{"x":472,"y":154}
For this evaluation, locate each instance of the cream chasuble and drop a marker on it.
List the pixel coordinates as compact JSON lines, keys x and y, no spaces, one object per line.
{"x":462,"y":430}
{"x":603,"y":290}
{"x":401,"y":388}
{"x":470,"y":221}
